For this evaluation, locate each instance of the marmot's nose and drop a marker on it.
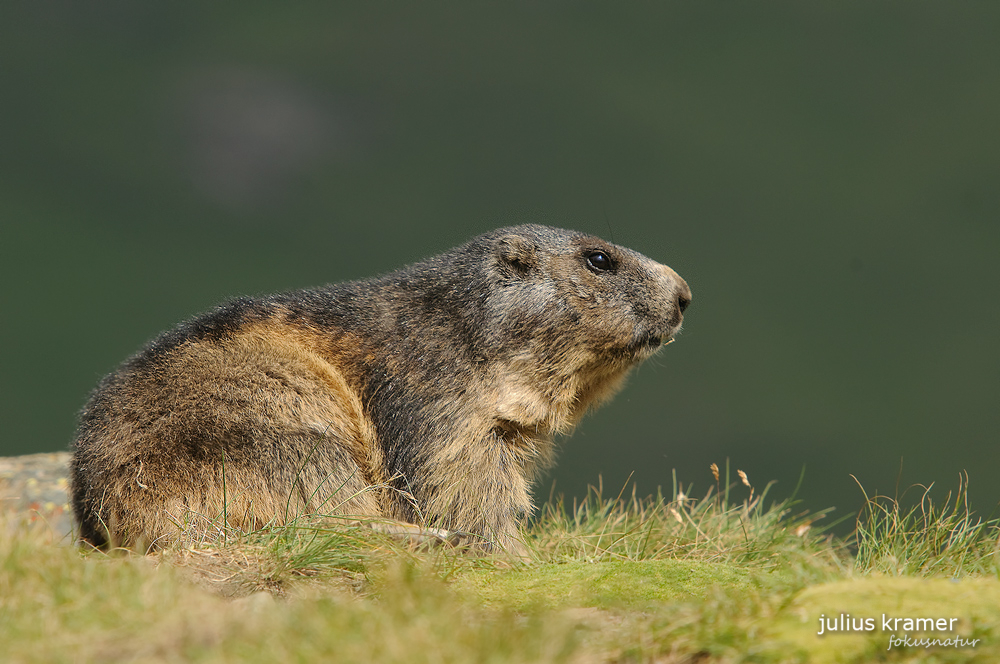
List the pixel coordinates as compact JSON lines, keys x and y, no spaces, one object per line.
{"x":680,"y":290}
{"x":683,"y":294}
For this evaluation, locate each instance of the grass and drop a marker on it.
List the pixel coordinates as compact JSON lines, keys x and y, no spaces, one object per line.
{"x":729,"y":576}
{"x":944,"y":539}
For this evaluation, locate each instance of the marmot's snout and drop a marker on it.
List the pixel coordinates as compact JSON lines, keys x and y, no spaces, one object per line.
{"x":675,"y":296}
{"x":678,"y":294}
{"x":683,"y":296}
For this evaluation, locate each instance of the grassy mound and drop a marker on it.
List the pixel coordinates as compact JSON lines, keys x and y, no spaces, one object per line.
{"x":721,"y":578}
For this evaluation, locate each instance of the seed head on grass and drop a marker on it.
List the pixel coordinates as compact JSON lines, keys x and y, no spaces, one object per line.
{"x":746,"y":482}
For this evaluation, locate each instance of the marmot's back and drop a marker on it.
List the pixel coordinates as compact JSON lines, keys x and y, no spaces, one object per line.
{"x":427,"y":395}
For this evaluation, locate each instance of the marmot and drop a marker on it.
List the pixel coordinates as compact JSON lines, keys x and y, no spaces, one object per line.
{"x":429,"y":395}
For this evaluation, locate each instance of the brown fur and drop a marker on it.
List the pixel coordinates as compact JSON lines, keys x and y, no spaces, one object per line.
{"x":430,"y":395}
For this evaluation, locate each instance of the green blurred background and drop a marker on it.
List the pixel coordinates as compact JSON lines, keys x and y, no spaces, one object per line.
{"x":824,"y":175}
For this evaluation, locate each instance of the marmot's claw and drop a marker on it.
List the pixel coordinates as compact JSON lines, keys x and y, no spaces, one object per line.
{"x":415,"y":534}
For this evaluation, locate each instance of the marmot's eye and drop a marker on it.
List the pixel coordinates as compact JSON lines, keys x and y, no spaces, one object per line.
{"x":599,"y":261}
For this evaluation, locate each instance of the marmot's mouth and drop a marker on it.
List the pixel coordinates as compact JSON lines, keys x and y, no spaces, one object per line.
{"x":651,"y":343}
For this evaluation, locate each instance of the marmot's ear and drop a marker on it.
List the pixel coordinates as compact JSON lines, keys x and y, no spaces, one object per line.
{"x":517,"y":254}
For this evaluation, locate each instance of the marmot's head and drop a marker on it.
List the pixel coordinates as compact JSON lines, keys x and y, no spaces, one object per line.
{"x":578,"y":294}
{"x":539,"y":323}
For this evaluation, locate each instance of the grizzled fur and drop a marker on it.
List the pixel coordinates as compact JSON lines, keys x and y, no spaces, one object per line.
{"x":429,"y":395}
